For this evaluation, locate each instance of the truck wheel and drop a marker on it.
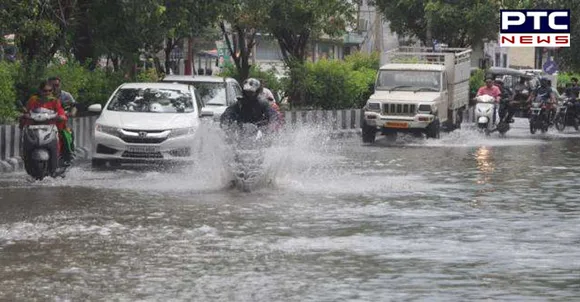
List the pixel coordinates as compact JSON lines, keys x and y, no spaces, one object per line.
{"x":369,"y":133}
{"x":433,"y":130}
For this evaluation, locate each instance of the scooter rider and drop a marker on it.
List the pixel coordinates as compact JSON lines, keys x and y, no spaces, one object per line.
{"x":249,"y":108}
{"x":545,"y":92}
{"x":46,"y":100}
{"x":492,"y":90}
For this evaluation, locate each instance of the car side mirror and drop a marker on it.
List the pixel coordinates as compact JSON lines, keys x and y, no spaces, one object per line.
{"x":95,"y":108}
{"x":206,"y":113}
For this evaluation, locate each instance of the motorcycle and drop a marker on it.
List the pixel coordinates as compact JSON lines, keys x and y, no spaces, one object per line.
{"x":566,"y":115}
{"x":484,"y":112}
{"x":41,"y":146}
{"x":539,"y":119}
{"x":249,"y":143}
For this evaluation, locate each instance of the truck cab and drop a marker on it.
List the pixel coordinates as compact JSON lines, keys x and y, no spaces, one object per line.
{"x":418,"y":92}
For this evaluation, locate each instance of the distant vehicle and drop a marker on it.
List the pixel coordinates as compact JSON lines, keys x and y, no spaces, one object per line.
{"x":146,"y":123}
{"x":216,"y":93}
{"x":418,"y":91}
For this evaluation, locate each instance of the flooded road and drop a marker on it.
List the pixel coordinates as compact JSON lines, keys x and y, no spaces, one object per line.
{"x":460,"y":219}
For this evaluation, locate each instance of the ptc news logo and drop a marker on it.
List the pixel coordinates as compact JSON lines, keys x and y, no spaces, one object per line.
{"x":533,"y":28}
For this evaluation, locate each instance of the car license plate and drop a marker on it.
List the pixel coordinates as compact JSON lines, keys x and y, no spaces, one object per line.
{"x":143,"y":149}
{"x":396,"y":125}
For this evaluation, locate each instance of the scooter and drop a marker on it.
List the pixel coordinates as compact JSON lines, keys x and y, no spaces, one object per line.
{"x":484,"y":112}
{"x":41,"y":146}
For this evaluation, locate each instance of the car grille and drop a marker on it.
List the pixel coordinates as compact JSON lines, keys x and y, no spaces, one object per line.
{"x":143,"y":140}
{"x":142,"y":155}
{"x":400,"y":109}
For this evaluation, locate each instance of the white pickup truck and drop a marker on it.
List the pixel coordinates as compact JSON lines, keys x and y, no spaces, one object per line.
{"x":418,"y":91}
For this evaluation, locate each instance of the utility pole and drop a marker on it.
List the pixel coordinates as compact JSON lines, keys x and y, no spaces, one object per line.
{"x":378,"y":31}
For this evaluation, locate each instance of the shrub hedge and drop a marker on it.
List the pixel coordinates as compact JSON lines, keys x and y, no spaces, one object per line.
{"x":327,"y":84}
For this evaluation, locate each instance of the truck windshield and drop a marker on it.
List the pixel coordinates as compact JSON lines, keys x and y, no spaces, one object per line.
{"x":409,"y":80}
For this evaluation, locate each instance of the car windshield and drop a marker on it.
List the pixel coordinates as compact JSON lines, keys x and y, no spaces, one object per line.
{"x":158,"y":100}
{"x":409,"y":80}
{"x":212,"y":93}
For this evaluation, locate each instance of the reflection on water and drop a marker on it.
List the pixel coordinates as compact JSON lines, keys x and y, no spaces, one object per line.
{"x":485,"y":164}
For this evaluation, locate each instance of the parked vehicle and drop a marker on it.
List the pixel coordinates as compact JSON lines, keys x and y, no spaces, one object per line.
{"x":418,"y":92}
{"x":216,"y":93}
{"x":146,"y":123}
{"x":41,"y":147}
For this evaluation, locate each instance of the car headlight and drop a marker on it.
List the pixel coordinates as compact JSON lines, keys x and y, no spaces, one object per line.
{"x":374,"y":107}
{"x":181,"y":132}
{"x":107,"y":129}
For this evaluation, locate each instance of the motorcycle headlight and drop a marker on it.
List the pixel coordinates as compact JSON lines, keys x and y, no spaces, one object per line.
{"x":107,"y":129}
{"x":181,"y":132}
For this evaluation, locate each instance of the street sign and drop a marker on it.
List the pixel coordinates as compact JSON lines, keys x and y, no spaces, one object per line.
{"x":550,"y":67}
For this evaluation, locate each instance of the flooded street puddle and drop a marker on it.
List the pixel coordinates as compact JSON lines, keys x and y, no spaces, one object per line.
{"x":467,"y":217}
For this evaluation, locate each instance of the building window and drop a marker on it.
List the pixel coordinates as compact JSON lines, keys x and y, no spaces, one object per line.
{"x":505,"y":60}
{"x":325,"y":51}
{"x":497,"y":59}
{"x":268,"y":50}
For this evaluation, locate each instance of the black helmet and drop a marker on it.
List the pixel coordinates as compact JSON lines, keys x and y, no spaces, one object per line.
{"x":252,"y":87}
{"x":545,"y":81}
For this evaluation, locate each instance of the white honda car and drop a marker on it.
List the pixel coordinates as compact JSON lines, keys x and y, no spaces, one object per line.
{"x":145,"y":123}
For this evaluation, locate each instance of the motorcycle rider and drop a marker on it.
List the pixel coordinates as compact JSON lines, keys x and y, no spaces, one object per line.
{"x":505,"y":106}
{"x":546,"y":93}
{"x":492,"y":90}
{"x":250,"y":108}
{"x":69,"y":104}
{"x":45,"y":99}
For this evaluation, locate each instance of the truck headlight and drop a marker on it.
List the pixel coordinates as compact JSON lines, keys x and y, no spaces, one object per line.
{"x":181,"y":132}
{"x":107,"y":129}
{"x":374,"y":107}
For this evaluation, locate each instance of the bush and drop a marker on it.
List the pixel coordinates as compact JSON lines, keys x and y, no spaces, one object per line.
{"x":7,"y":92}
{"x":476,"y":80}
{"x":566,"y":78}
{"x":86,"y":86}
{"x":336,"y":84}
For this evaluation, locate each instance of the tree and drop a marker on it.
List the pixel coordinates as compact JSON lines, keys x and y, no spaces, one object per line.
{"x":294,"y":23}
{"x":241,"y":22}
{"x":454,"y":22}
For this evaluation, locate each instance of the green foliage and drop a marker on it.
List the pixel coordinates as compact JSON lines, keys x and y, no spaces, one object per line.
{"x":7,"y":92}
{"x":335,"y":84}
{"x":565,"y":78}
{"x":476,"y":80}
{"x":86,"y":86}
{"x":457,"y":23}
{"x":361,"y":60}
{"x":148,"y":75}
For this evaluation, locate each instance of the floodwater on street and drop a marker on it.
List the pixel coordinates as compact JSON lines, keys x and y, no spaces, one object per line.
{"x":463,"y":218}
